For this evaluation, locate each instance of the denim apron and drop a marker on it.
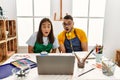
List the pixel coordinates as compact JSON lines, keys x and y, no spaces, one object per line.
{"x":38,"y":48}
{"x":75,"y":42}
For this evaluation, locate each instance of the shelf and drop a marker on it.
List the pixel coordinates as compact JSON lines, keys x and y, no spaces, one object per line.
{"x":12,"y":45}
{"x":11,"y":28}
{"x":8,"y":38}
{"x":2,"y":41}
{"x":3,"y":51}
{"x":2,"y":30}
{"x":10,"y":53}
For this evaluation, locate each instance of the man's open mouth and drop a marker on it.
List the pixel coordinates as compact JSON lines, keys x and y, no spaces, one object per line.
{"x":67,"y":29}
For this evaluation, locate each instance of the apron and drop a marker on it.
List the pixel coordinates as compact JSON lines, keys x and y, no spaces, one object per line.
{"x":38,"y":48}
{"x":75,"y":42}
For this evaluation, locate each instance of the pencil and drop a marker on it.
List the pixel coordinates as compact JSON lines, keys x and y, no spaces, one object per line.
{"x":86,"y":72}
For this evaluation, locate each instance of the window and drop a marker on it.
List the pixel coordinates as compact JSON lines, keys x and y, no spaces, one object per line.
{"x":80,"y":8}
{"x":81,"y":23}
{"x":89,"y":16}
{"x":42,"y":7}
{"x":24,"y":8}
{"x":29,"y":14}
{"x":25,"y":26}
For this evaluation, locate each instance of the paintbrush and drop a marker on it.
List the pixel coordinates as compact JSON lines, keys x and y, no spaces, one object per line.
{"x":89,"y":53}
{"x":82,"y":62}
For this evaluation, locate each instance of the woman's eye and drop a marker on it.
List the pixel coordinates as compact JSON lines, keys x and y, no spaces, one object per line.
{"x":49,"y":26}
{"x":44,"y":26}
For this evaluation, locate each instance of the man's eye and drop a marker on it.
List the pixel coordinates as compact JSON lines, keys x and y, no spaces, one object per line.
{"x":64,"y":23}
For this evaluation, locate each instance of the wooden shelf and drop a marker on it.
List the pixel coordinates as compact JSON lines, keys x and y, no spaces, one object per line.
{"x":10,"y":53}
{"x":2,"y":30}
{"x":12,"y":45}
{"x":3,"y":51}
{"x":8,"y":38}
{"x":2,"y":41}
{"x":11,"y":28}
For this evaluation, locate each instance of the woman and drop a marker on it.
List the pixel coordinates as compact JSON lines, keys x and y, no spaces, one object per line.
{"x":43,"y":40}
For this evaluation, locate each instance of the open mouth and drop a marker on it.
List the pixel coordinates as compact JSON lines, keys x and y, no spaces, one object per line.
{"x":67,"y":29}
{"x":46,"y":32}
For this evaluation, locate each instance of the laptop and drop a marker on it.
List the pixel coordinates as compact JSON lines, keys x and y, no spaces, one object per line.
{"x":55,"y":65}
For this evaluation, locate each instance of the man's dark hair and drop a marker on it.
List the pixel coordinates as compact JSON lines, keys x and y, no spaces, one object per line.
{"x":68,"y":17}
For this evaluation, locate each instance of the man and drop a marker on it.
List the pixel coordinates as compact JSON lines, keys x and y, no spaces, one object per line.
{"x":72,"y":39}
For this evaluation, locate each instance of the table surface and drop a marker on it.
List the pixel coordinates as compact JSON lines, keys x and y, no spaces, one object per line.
{"x":95,"y":74}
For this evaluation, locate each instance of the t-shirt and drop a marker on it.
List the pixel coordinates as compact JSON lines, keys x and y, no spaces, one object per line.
{"x":80,"y":34}
{"x":31,"y":41}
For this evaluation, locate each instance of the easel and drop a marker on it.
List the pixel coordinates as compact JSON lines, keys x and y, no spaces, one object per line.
{"x":60,"y":19}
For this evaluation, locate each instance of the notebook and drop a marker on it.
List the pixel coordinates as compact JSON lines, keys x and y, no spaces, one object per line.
{"x":22,"y":63}
{"x":55,"y":65}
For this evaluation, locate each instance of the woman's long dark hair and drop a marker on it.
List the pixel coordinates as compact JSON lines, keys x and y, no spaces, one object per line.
{"x":40,"y":34}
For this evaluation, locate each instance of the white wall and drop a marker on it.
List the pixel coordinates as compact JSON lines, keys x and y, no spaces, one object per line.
{"x":9,"y":8}
{"x":111,"y":39}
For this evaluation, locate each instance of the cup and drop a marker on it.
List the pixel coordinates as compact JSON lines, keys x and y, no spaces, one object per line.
{"x":43,"y":53}
{"x":99,"y":50}
{"x":108,"y":67}
{"x":81,"y":63}
{"x":98,"y":58}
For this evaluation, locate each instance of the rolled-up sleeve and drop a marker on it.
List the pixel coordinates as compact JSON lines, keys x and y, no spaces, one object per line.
{"x":32,"y":39}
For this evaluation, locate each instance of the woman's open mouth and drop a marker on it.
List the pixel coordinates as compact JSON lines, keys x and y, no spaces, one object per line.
{"x":46,"y":32}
